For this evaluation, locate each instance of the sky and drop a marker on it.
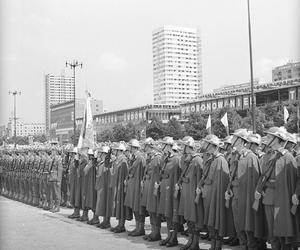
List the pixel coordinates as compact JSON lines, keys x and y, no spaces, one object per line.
{"x":113,"y":40}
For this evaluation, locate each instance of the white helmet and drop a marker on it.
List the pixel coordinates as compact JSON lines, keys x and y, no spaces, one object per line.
{"x":90,"y":151}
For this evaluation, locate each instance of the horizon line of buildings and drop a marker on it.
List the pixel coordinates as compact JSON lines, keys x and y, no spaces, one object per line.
{"x":177,"y":83}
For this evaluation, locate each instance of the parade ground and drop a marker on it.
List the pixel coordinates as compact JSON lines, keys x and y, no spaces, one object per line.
{"x":27,"y":227}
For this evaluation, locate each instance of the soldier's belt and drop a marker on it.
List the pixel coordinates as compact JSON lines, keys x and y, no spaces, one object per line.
{"x":165,"y":176}
{"x":185,"y":179}
{"x":270,"y":184}
{"x":235,"y":183}
{"x":208,"y":181}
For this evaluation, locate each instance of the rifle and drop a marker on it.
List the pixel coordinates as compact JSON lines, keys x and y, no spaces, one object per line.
{"x":128,"y":176}
{"x":156,"y":189}
{"x":232,"y":176}
{"x":182,"y":177}
{"x":264,"y":178}
{"x":145,"y":174}
{"x":204,"y":176}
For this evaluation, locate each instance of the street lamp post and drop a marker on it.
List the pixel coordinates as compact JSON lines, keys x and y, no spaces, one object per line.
{"x":15,"y":93}
{"x":251,"y":71}
{"x":73,"y":66}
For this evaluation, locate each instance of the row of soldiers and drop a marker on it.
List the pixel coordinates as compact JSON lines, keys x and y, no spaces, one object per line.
{"x":241,"y":189}
{"x":32,"y":176}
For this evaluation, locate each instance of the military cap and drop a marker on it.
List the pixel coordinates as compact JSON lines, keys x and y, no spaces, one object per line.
{"x":175,"y":147}
{"x":254,"y":138}
{"x":188,"y":141}
{"x":228,"y":139}
{"x":120,"y":146}
{"x":90,"y":151}
{"x":212,"y":139}
{"x":291,"y":137}
{"x":134,"y":143}
{"x":241,"y":133}
{"x":168,"y":140}
{"x":149,"y":141}
{"x":277,"y":132}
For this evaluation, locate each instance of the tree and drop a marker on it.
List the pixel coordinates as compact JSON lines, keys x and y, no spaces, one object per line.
{"x":174,"y":129}
{"x":196,"y":126}
{"x":155,"y":129}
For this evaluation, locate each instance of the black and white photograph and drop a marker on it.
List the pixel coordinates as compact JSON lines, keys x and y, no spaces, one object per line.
{"x":149,"y":124}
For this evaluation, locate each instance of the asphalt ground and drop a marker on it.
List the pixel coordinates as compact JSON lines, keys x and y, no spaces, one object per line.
{"x":27,"y":227}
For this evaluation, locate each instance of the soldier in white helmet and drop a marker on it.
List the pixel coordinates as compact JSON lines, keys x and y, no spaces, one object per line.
{"x":104,"y":187}
{"x":119,"y":172}
{"x":151,"y":175}
{"x":133,"y":193}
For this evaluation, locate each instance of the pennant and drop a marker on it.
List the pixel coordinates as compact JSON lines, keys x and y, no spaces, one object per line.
{"x":87,"y":134}
{"x":208,"y":125}
{"x":224,"y":121}
{"x":285,"y":114}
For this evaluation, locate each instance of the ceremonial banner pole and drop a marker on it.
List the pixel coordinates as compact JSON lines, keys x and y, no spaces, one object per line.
{"x":251,"y":71}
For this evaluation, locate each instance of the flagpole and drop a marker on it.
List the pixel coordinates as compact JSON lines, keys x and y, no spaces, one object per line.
{"x":251,"y":71}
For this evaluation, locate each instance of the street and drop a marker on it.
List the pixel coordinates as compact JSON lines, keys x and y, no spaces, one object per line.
{"x":27,"y":227}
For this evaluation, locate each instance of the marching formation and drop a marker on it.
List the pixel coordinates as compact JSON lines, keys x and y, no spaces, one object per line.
{"x":242,"y":190}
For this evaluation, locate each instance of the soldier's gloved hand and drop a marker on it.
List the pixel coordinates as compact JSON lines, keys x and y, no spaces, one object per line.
{"x":125,"y":182}
{"x":177,"y":187}
{"x":156,"y":185}
{"x":257,"y":195}
{"x":295,"y":200}
{"x":142,"y":183}
{"x":227,"y":195}
{"x":198,"y":191}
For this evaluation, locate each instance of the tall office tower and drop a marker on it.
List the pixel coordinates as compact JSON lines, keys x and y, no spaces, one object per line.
{"x":177,"y":68}
{"x":58,"y":89}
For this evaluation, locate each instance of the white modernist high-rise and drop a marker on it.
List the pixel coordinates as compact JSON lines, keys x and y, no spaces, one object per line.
{"x":177,"y":68}
{"x":58,"y":89}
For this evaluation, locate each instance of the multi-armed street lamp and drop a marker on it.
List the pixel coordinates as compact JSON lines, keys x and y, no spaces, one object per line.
{"x":15,"y":93}
{"x":73,"y":66}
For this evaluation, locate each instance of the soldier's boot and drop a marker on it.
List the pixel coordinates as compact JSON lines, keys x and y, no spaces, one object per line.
{"x":84,"y":216}
{"x":46,"y":205}
{"x":55,"y":208}
{"x":146,"y":236}
{"x":219,"y":244}
{"x":173,"y":240}
{"x":75,"y":215}
{"x":94,"y":220}
{"x":140,"y":231}
{"x":156,"y":234}
{"x":121,"y":227}
{"x":213,"y":244}
{"x":136,"y":228}
{"x":166,"y":240}
{"x":189,"y":243}
{"x":235,"y":242}
{"x":40,"y":203}
{"x":195,"y":243}
{"x":68,"y":204}
{"x":205,"y":236}
{"x":106,"y":223}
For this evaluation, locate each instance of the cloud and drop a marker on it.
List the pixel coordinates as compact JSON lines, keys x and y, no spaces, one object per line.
{"x":263,"y":68}
{"x":112,"y":62}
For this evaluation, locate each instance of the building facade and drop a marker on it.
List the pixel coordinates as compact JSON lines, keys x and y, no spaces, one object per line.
{"x":276,"y":92}
{"x":25,"y":129}
{"x":58,"y":89}
{"x":285,"y":72}
{"x":62,"y":118}
{"x":135,"y":115}
{"x":177,"y":68}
